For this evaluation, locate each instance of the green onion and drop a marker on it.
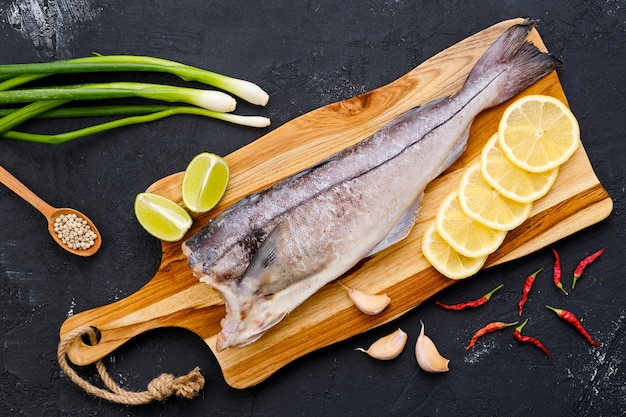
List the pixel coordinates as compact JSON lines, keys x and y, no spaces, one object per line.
{"x":211,"y":100}
{"x":115,"y":63}
{"x":17,"y":81}
{"x":48,"y":101}
{"x":94,"y":111}
{"x":19,"y":116}
{"x":155,"y":113}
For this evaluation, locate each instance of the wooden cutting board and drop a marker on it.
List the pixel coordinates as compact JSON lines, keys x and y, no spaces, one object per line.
{"x":173,"y":297}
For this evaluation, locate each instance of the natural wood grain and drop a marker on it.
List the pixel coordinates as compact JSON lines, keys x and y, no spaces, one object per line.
{"x":174,"y":298}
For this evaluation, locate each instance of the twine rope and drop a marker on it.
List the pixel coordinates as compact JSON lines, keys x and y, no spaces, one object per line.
{"x":160,"y":388}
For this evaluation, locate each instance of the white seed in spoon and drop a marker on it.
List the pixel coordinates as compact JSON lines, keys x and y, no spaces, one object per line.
{"x":74,"y":231}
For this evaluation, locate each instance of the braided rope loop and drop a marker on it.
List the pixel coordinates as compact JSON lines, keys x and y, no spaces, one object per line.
{"x":160,"y":388}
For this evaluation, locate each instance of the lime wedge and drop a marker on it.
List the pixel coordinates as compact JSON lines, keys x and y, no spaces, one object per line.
{"x":161,"y":217}
{"x":204,"y":182}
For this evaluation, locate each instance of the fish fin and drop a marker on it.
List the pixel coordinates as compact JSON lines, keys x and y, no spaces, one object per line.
{"x":516,"y":62}
{"x":458,"y":150}
{"x":268,"y":325}
{"x":224,"y":337}
{"x":261,"y":268}
{"x":401,"y":229}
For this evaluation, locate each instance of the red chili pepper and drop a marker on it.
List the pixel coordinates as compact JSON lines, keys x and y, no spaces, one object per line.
{"x":528,"y":284}
{"x":491,"y":327}
{"x":468,"y":304}
{"x":583,"y":264}
{"x":557,"y":272}
{"x":517,"y":334}
{"x":573,"y":320}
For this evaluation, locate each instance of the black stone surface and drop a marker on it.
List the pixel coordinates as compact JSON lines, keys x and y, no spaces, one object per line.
{"x":305,"y":54}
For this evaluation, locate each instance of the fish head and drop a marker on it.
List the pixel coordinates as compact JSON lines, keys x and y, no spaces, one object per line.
{"x":253,"y":304}
{"x":249,"y":313}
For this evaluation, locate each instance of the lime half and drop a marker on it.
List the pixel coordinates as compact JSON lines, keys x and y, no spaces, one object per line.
{"x":204,"y":182}
{"x":161,"y":217}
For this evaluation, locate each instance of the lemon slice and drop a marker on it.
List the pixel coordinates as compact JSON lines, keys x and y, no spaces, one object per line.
{"x":510,"y":180}
{"x":204,"y":182}
{"x":161,"y":217}
{"x":538,"y":133}
{"x":445,"y":259}
{"x":483,"y":203}
{"x":464,"y":234}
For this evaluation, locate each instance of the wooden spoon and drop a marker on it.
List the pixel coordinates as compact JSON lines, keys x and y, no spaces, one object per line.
{"x":51,"y":213}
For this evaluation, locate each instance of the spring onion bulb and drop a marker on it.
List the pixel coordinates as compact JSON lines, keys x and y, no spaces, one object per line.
{"x":17,"y":74}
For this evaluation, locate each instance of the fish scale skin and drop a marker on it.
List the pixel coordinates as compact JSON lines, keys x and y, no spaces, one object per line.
{"x":247,"y":215}
{"x":259,"y":211}
{"x":316,"y":225}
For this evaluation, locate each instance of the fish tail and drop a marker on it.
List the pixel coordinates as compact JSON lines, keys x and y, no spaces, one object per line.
{"x":515,"y":62}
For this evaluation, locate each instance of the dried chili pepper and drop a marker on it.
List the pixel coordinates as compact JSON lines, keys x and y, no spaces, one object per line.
{"x":517,"y":334}
{"x":469,"y":304}
{"x":491,"y":327}
{"x":528,"y":284}
{"x":583,"y":264}
{"x":557,"y":272}
{"x":569,"y":317}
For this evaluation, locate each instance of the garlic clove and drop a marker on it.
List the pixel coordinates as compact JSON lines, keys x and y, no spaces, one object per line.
{"x":387,"y":347}
{"x":428,"y":357}
{"x":371,"y":304}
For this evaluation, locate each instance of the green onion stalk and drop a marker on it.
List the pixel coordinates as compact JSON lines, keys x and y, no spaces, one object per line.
{"x":152,"y":113}
{"x":16,"y":117}
{"x":13,"y":75}
{"x":94,"y":111}
{"x":47,"y":101}
{"x":208,"y":99}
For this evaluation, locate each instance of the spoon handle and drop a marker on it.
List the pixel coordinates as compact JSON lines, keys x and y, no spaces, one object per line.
{"x":20,"y":189}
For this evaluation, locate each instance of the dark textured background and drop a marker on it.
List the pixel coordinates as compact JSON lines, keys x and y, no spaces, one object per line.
{"x":305,"y":54}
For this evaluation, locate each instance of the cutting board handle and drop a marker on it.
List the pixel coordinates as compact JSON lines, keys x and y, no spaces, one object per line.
{"x":172,"y":298}
{"x":160,"y":388}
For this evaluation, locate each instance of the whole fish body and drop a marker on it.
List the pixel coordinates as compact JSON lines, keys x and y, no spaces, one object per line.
{"x":272,"y":250}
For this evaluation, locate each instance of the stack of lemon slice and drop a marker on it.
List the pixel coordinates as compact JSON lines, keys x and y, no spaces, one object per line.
{"x":518,"y":165}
